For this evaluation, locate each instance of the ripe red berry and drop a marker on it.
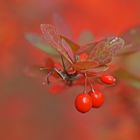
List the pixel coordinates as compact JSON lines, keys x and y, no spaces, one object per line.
{"x":108,"y":79}
{"x":83,"y":102}
{"x":83,"y":56}
{"x":97,"y":98}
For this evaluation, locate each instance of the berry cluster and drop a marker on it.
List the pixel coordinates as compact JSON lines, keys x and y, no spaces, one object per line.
{"x":94,"y":98}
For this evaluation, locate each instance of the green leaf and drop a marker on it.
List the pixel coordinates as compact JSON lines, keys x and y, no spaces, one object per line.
{"x":38,"y":42}
{"x":128,"y":77}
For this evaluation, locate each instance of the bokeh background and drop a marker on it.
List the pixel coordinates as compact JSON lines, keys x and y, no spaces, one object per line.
{"x":30,"y":111}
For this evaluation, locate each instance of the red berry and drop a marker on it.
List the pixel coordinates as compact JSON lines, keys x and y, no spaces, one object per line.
{"x":97,"y":98}
{"x":83,"y":102}
{"x":108,"y":79}
{"x":83,"y":56}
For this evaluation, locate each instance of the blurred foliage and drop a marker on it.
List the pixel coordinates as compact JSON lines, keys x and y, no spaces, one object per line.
{"x":28,"y":110}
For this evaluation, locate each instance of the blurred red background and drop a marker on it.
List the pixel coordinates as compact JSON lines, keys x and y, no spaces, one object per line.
{"x":27,"y":110}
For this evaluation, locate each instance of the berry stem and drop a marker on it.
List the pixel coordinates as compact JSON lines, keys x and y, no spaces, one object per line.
{"x":91,"y":86}
{"x":85,"y":87}
{"x":89,"y":81}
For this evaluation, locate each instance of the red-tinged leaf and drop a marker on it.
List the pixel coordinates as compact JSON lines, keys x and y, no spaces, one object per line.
{"x":75,"y":47}
{"x":53,"y":39}
{"x":98,"y":69}
{"x":61,"y":25}
{"x":101,"y":53}
{"x":132,"y":38}
{"x":105,"y":49}
{"x":65,"y":30}
{"x":115,"y":44}
{"x":86,"y":48}
{"x":91,"y":74}
{"x":84,"y":65}
{"x":68,"y":50}
{"x":83,"y":56}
